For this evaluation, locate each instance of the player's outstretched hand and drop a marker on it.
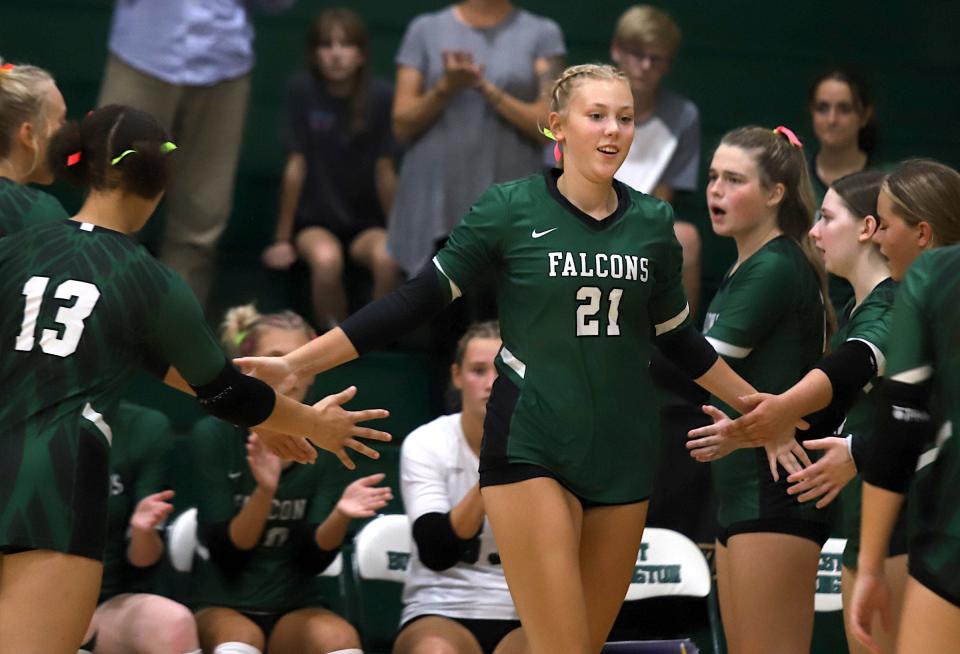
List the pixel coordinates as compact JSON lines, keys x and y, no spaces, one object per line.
{"x":712,"y":442}
{"x":285,"y":446}
{"x":825,"y":478}
{"x":764,"y":416}
{"x":337,"y":428}
{"x":786,"y":451}
{"x":151,"y":511}
{"x":275,"y":371}
{"x":363,"y":498}
{"x":871,"y":595}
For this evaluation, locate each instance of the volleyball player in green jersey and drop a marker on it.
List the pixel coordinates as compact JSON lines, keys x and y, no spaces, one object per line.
{"x":588,"y":277}
{"x":88,"y":306}
{"x":921,"y":390}
{"x":129,"y":617}
{"x":768,"y":320}
{"x":843,"y":382}
{"x":268,"y":526}
{"x":31,"y":110}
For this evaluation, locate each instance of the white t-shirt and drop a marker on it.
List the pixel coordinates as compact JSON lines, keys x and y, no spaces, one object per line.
{"x":437,"y":469}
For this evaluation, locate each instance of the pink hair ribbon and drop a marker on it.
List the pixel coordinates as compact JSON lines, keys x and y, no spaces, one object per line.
{"x":786,"y":131}
{"x":6,"y":68}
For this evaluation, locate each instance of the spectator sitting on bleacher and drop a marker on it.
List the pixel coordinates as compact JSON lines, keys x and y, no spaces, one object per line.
{"x":128,"y":618}
{"x":340,"y":175}
{"x":270,"y":527}
{"x":665,"y":154}
{"x":455,"y":598}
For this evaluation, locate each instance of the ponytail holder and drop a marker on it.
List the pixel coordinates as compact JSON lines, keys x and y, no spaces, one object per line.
{"x":557,"y":153}
{"x":164,"y":148}
{"x":74,"y":158}
{"x":787,"y":132}
{"x":240,"y":337}
{"x":6,"y":68}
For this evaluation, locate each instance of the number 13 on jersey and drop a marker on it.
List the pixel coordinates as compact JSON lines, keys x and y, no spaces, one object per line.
{"x":591,"y":299}
{"x":71,"y":317}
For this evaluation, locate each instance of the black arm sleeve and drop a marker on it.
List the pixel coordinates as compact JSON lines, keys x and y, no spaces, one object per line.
{"x":850,"y":367}
{"x":688,"y":349}
{"x":439,"y":547}
{"x":310,"y":557}
{"x":397,"y":313}
{"x":903,"y":428}
{"x":227,"y":556}
{"x":236,"y":398}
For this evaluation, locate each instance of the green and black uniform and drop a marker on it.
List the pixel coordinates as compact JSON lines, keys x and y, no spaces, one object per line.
{"x":870,"y":324}
{"x":22,"y":206}
{"x":280,"y":573}
{"x":924,"y":357}
{"x":767,"y":321}
{"x":85,"y":307}
{"x":138,"y":467}
{"x":580,"y":302}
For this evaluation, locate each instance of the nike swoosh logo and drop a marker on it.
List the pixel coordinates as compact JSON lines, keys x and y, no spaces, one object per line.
{"x":536,"y":234}
{"x":234,"y":475}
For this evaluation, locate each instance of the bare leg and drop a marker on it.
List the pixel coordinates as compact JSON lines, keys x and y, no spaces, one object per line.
{"x":218,"y":625}
{"x":436,"y":635}
{"x":323,"y":253}
{"x":773,"y":577}
{"x":690,"y":243}
{"x":141,"y":623}
{"x":46,"y":601}
{"x":896,"y":568}
{"x":609,"y":542}
{"x":934,"y":623}
{"x":537,"y":524}
{"x":369,"y":249}
{"x":312,"y":631}
{"x":728,"y":609}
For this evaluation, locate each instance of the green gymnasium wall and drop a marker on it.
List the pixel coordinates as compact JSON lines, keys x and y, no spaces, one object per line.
{"x":741,"y":62}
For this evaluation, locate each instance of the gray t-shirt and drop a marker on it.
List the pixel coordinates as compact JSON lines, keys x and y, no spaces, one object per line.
{"x":666,"y":147}
{"x":470,"y":146}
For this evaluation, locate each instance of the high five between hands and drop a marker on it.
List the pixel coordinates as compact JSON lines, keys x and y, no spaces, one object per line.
{"x":770,"y":425}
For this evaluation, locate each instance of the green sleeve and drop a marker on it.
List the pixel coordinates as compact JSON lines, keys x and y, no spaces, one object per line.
{"x":213,"y":451}
{"x":475,"y":244}
{"x":757,"y":297}
{"x":911,"y":349}
{"x":47,"y":209}
{"x":180,"y":335}
{"x":667,"y":307}
{"x":871,"y":325}
{"x":154,"y":443}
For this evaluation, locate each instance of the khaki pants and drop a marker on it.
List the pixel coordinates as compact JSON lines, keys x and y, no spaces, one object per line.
{"x":206,"y":123}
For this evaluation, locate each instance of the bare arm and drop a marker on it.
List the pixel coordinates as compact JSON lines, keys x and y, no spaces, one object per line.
{"x":385,"y":180}
{"x":415,"y":110}
{"x":527,"y":117}
{"x":294,"y":174}
{"x":467,"y":516}
{"x":246,"y":528}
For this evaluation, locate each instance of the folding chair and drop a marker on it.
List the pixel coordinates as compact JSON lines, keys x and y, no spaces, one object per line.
{"x":669,"y":564}
{"x":380,"y":560}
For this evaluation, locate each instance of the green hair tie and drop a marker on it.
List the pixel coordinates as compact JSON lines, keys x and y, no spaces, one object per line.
{"x":164,"y":148}
{"x":240,"y":337}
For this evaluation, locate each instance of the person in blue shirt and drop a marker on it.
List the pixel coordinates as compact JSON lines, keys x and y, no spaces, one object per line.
{"x":188,"y":63}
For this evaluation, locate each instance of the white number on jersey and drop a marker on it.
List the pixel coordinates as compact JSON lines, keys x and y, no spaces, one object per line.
{"x":71,"y":317}
{"x":591,"y":297}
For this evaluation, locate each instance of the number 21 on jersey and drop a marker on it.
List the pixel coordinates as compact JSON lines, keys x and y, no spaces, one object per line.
{"x":591,"y":298}
{"x":71,"y":317}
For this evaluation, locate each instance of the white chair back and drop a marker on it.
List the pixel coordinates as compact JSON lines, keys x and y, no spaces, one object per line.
{"x":382,"y":549}
{"x":829,"y":596}
{"x":668,"y":563}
